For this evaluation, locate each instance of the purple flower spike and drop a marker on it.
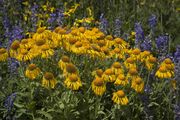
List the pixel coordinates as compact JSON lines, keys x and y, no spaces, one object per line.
{"x":152,"y":21}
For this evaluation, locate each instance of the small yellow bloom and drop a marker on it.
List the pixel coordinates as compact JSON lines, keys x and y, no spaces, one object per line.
{"x":3,"y":54}
{"x":49,"y":80}
{"x":70,"y":69}
{"x":145,"y":55}
{"x":132,"y":73}
{"x":116,"y":68}
{"x":150,"y":62}
{"x":133,"y":33}
{"x":137,"y":84}
{"x":25,"y":54}
{"x":32,"y":71}
{"x":130,"y":63}
{"x":73,"y":82}
{"x":121,"y":80}
{"x":109,"y":75}
{"x":120,"y":43}
{"x":120,"y":98}
{"x":98,"y":86}
{"x":97,"y":73}
{"x":136,"y":54}
{"x":63,"y":62}
{"x":164,"y":72}
{"x":14,"y":48}
{"x":46,"y":51}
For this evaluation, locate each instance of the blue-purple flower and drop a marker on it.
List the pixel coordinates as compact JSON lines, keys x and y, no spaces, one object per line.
{"x":13,"y":64}
{"x":162,"y":42}
{"x":139,"y":37}
{"x":9,"y":102}
{"x":103,"y":24}
{"x":117,"y":27}
{"x":146,"y":44}
{"x":177,"y":112}
{"x":177,"y":54}
{"x":152,"y":21}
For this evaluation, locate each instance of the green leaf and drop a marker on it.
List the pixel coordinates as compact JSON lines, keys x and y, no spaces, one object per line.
{"x":47,"y":115}
{"x":153,"y":104}
{"x":18,"y":105}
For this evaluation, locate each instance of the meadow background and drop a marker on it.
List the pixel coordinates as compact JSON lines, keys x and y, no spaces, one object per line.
{"x":145,"y":25}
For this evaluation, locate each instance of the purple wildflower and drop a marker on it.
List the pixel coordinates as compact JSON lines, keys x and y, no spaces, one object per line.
{"x":139,"y":37}
{"x":13,"y":64}
{"x":16,"y":33}
{"x":162,"y":42}
{"x":60,"y":17}
{"x":146,"y":44}
{"x":152,"y":21}
{"x":177,"y":112}
{"x":103,"y":24}
{"x":9,"y":102}
{"x":117,"y":27}
{"x":177,"y":54}
{"x":52,"y":18}
{"x":34,"y":18}
{"x":139,"y":32}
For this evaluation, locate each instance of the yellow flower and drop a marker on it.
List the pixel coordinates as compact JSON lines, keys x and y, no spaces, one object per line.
{"x":63,"y":62}
{"x":78,"y":48}
{"x":137,"y":84}
{"x":145,"y":55}
{"x":130,"y":63}
{"x":116,"y":53}
{"x":41,"y":34}
{"x":70,"y":69}
{"x":136,"y":54}
{"x":49,"y":80}
{"x":32,"y":71}
{"x":105,"y":52}
{"x":150,"y":62}
{"x":71,"y":10}
{"x":95,"y":51}
{"x":120,"y":98}
{"x":168,"y":63}
{"x":120,"y":43}
{"x":98,"y":86}
{"x":133,"y":33}
{"x":46,"y":51}
{"x":82,"y":29}
{"x":163,"y":72}
{"x":25,"y":55}
{"x":25,"y":43}
{"x":14,"y":48}
{"x":121,"y":80}
{"x":132,"y":73}
{"x":116,"y":68}
{"x":97,"y":73}
{"x":109,"y":40}
{"x":109,"y":76}
{"x":101,"y":43}
{"x":3,"y":54}
{"x":73,"y":82}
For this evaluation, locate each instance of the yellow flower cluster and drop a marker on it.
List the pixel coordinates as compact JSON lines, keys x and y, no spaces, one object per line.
{"x":70,"y":72}
{"x":166,"y":69}
{"x":94,"y":43}
{"x":116,"y":74}
{"x":48,"y":81}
